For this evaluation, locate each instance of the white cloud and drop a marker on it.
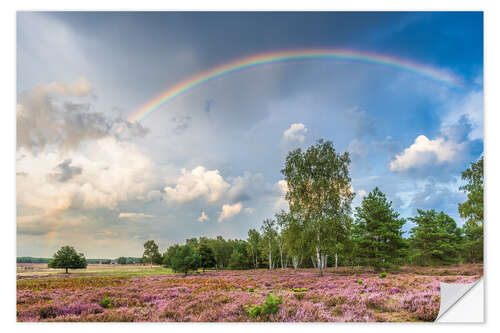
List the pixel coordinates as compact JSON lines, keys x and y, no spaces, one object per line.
{"x":78,"y":88}
{"x":424,"y":152}
{"x":109,"y":172}
{"x":134,"y":216}
{"x":203,"y":217}
{"x":296,"y":133}
{"x":229,"y":211}
{"x":361,"y":193}
{"x":197,"y":183}
{"x":281,"y":188}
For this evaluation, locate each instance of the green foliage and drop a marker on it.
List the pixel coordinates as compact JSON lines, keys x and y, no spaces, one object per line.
{"x":122,"y":261}
{"x":105,"y":302}
{"x":31,"y":260}
{"x":151,"y":254}
{"x":185,"y":259}
{"x":206,"y":255}
{"x":251,"y":290}
{"x":268,"y":240}
{"x":169,"y":254}
{"x":435,"y":240}
{"x":298,"y":290}
{"x":319,"y":194}
{"x":253,"y":242}
{"x":473,"y":210}
{"x":382,"y":275}
{"x":67,"y":257}
{"x":377,"y":231}
{"x":239,"y":258}
{"x":270,"y":306}
{"x":360,"y":282}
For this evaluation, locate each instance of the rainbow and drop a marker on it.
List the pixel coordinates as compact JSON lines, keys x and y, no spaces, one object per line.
{"x":287,"y":56}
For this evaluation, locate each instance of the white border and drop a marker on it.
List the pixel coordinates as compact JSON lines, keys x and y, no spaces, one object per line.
{"x":492,"y":141}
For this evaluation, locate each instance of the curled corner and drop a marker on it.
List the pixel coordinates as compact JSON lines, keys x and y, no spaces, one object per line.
{"x":452,"y":294}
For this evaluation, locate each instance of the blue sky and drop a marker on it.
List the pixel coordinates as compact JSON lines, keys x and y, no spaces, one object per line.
{"x":209,"y":162}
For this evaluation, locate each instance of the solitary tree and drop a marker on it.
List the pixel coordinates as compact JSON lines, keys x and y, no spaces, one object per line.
{"x":151,"y":254}
{"x":472,"y":210}
{"x":377,"y":230}
{"x":185,"y":259}
{"x":319,"y":194}
{"x":66,"y":257}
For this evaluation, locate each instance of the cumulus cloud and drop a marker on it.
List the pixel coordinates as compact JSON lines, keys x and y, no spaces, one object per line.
{"x":197,"y":183}
{"x":229,"y":211}
{"x":282,"y":186}
{"x":78,"y":88}
{"x":203,"y":217}
{"x":134,"y":216}
{"x":281,"y":189}
{"x":361,"y":193}
{"x":424,"y":152}
{"x":296,"y":133}
{"x":105,"y":172}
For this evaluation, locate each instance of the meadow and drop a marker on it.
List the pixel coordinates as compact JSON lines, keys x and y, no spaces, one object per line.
{"x":119,"y":293}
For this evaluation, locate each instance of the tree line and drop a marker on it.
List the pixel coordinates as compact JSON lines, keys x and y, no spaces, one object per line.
{"x":320,"y":230}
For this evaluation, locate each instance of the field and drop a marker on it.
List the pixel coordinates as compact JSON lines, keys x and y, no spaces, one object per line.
{"x":142,"y":293}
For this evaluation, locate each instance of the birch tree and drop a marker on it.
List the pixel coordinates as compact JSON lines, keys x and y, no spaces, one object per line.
{"x":319,"y":194}
{"x":269,"y":238}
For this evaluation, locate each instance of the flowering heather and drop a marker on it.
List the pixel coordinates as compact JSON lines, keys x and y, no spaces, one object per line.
{"x":409,"y":294}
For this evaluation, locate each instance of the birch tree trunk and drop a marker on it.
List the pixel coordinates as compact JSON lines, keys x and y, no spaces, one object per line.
{"x":320,"y":265}
{"x":270,"y":256}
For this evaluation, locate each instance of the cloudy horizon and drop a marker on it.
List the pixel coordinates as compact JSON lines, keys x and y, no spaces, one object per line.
{"x":208,"y":163}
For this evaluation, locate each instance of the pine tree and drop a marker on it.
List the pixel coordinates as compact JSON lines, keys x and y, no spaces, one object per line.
{"x":207,"y":256}
{"x":436,"y":240}
{"x":377,"y":231}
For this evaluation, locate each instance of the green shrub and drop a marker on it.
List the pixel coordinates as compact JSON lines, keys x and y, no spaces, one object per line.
{"x":251,"y":290}
{"x":382,"y":275}
{"x":254,"y":310}
{"x":270,"y":306}
{"x":105,"y":302}
{"x":360,"y":282}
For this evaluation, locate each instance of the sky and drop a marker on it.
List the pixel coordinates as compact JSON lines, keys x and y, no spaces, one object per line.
{"x":208,"y":162}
